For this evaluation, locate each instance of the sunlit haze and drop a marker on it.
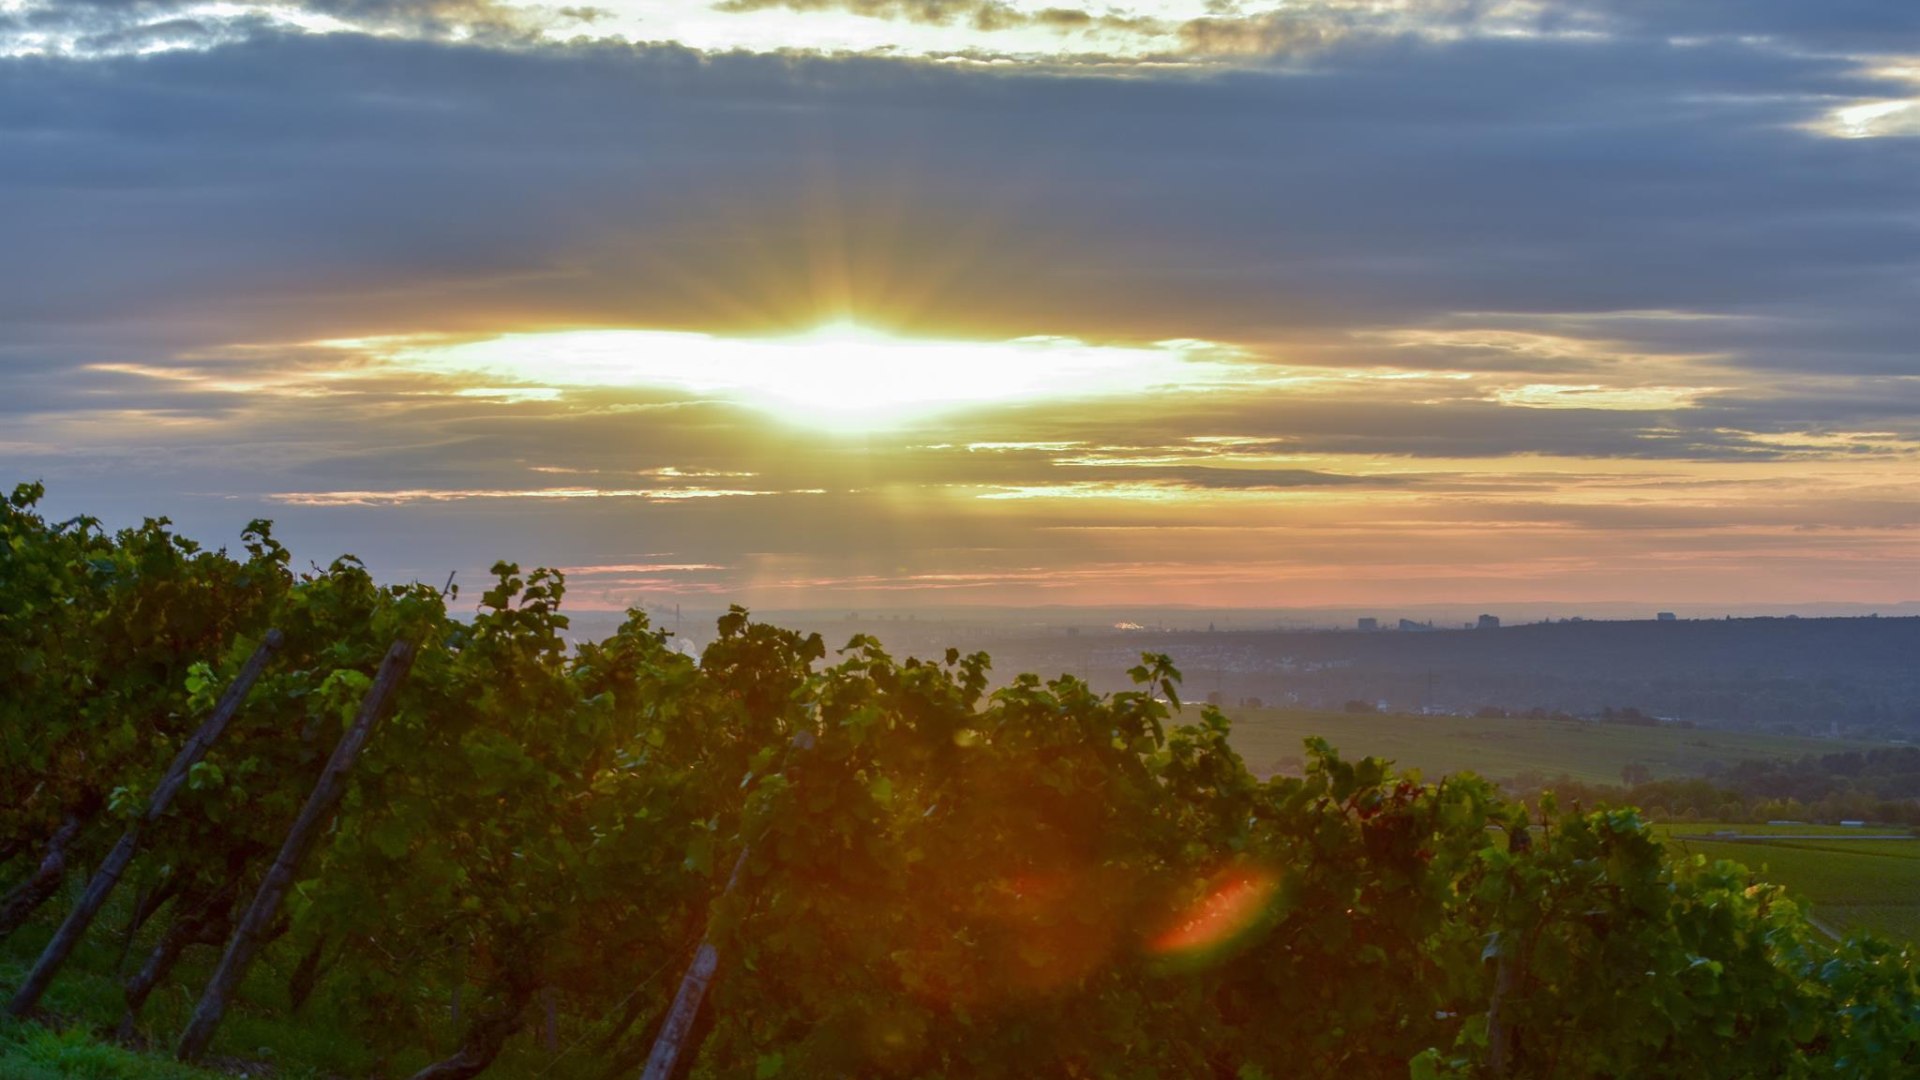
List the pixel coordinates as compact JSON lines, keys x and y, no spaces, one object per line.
{"x":840,"y":377}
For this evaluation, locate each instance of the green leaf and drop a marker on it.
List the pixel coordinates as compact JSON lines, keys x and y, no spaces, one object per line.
{"x":203,"y":775}
{"x":391,"y":837}
{"x":699,"y":858}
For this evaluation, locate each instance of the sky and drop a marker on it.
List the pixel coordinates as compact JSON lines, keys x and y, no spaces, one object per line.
{"x":877,"y":303}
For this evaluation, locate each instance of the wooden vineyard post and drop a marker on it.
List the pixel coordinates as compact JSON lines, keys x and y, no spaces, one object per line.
{"x":665,"y":1056}
{"x":260,"y":914}
{"x":672,"y":1040}
{"x":19,"y":904}
{"x":115,"y":864}
{"x":1506,"y":976}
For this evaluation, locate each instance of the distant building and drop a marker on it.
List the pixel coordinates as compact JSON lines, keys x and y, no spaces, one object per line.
{"x":1667,"y":616}
{"x":1409,"y":624}
{"x":1488,"y":622}
{"x":1369,"y":624}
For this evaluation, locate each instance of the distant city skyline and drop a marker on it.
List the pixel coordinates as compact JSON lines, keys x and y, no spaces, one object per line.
{"x":697,"y":621}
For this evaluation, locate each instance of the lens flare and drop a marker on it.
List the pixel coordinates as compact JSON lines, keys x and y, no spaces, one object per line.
{"x":1237,"y":904}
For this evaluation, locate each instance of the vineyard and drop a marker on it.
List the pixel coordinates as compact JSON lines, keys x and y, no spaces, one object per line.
{"x":1847,"y":881}
{"x":1514,"y":749}
{"x":778,"y":859}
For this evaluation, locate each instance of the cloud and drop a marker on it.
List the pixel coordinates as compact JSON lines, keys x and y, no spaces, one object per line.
{"x":1423,"y":239}
{"x":1344,"y":194}
{"x":1857,"y":26}
{"x":135,"y":27}
{"x":1020,"y":31}
{"x":1265,"y":35}
{"x":986,"y":15}
{"x":403,"y":496}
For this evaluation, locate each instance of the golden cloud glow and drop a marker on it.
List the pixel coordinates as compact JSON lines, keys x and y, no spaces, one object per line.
{"x":1163,"y":33}
{"x":1877,"y":118}
{"x":435,"y":495}
{"x":1869,"y":119}
{"x":840,"y":377}
{"x":1591,"y":396}
{"x":1532,"y":345}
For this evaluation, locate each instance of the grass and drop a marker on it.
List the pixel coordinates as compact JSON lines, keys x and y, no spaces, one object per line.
{"x":32,"y":1052}
{"x":1848,"y":885}
{"x":1896,"y":848}
{"x":1270,"y":740}
{"x":1795,"y":829}
{"x":86,"y":999}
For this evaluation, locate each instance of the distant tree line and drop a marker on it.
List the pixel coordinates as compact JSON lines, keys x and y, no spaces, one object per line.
{"x":1880,"y":785}
{"x":1777,"y":675}
{"x":1628,"y":716}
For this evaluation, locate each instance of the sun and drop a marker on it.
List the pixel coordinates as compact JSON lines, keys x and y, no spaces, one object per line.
{"x":840,"y":375}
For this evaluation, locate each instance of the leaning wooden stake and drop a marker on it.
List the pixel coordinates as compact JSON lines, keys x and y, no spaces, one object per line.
{"x":266,"y":903}
{"x":108,"y":876}
{"x":672,"y":1040}
{"x":1507,"y":975}
{"x":686,"y":1003}
{"x":550,"y":1004}
{"x":19,"y":904}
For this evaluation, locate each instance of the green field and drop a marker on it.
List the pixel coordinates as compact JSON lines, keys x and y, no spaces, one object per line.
{"x":1270,"y":741}
{"x":1850,"y":884}
{"x":1790,"y":832}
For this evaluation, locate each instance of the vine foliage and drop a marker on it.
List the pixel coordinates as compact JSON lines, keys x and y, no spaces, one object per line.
{"x":956,"y":877}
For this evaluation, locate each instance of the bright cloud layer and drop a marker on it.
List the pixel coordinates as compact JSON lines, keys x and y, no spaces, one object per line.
{"x":840,"y":377}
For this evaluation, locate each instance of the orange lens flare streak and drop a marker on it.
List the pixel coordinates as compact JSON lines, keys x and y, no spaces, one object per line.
{"x":1230,"y":909}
